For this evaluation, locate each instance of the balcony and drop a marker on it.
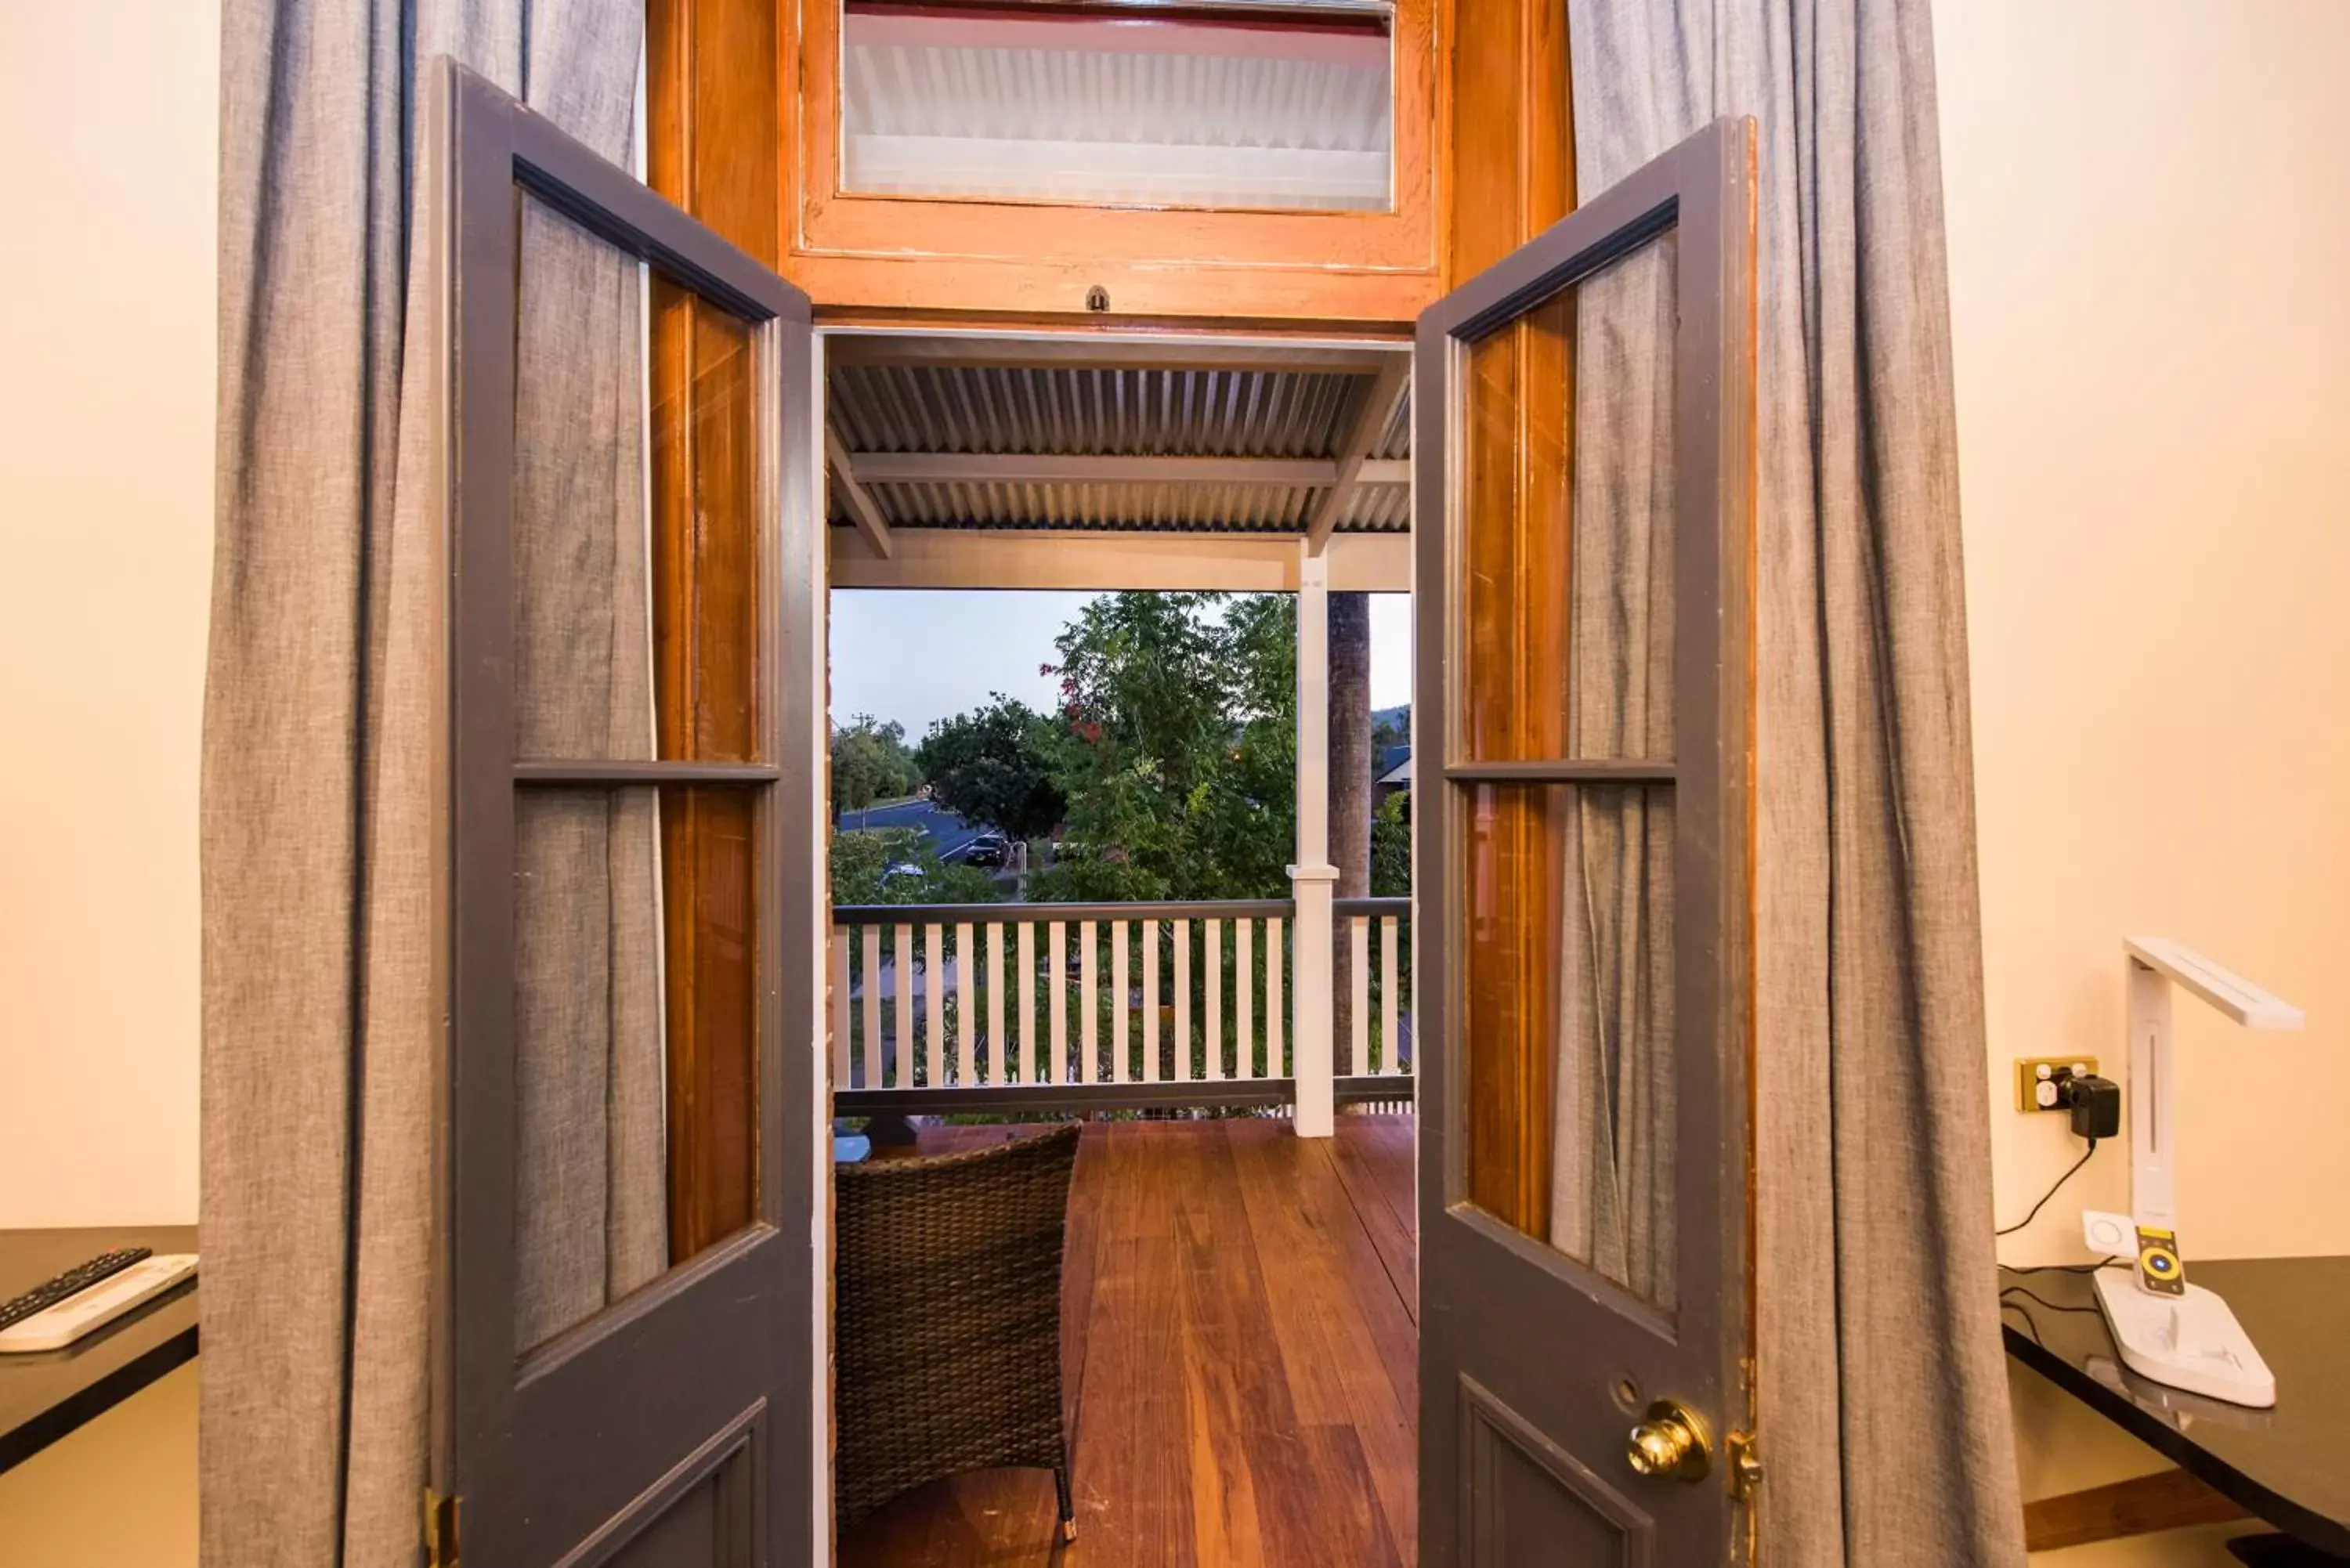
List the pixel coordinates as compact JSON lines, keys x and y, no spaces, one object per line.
{"x":1029,"y":1009}
{"x":1239,"y":1353}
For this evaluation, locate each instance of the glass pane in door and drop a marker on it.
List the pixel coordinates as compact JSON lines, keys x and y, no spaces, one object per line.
{"x":591,"y":1169}
{"x":1567,"y":538}
{"x":635,"y":508}
{"x":636,"y":1092}
{"x":638,"y":514}
{"x":582,"y":650}
{"x":705,"y":525}
{"x":1567,"y":938}
{"x":1565,"y":658}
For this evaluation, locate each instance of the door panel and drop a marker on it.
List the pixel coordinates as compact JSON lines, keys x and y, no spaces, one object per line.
{"x":622,"y":1335}
{"x":1524,"y":1500}
{"x":1584,"y":589}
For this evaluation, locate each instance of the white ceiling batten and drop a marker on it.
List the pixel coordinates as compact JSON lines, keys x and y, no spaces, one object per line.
{"x":1365,"y":432}
{"x":854,"y":495}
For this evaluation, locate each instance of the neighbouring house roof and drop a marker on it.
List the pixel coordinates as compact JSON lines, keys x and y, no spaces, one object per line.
{"x":1168,"y":437}
{"x":1393,"y":767}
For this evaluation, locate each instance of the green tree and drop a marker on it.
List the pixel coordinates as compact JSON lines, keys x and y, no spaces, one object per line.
{"x":897,"y":866}
{"x":994,"y":765}
{"x":871,"y":763}
{"x":1391,"y":848}
{"x":1177,"y":759}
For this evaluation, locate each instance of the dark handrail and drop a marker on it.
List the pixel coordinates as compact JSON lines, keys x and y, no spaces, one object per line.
{"x":1032,"y":914}
{"x":1371,"y":906}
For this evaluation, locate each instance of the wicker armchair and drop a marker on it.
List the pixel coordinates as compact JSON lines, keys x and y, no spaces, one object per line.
{"x":947,"y":1345}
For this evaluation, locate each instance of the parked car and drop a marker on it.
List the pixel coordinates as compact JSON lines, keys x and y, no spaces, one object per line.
{"x":990,"y":849}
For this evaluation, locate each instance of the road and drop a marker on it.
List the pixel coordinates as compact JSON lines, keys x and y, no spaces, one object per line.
{"x":949,"y":835}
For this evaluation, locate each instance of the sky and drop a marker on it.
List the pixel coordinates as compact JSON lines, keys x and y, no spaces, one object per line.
{"x":920,"y":655}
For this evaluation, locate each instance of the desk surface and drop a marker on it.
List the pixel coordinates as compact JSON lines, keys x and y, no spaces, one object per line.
{"x":47,"y":1394}
{"x":2290,"y":1465}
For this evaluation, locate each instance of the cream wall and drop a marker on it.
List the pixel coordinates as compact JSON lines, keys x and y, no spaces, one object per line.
{"x":2150,"y":289}
{"x":2150,"y":284}
{"x":107,"y":114}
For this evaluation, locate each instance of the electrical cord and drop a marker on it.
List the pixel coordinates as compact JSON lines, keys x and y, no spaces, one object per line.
{"x":2029,"y":1321}
{"x":2071,"y":1268}
{"x":2044,"y":1301}
{"x":2044,"y":1197}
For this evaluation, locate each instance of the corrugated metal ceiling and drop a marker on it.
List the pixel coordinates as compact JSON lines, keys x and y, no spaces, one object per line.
{"x":928,"y":404}
{"x":1067,"y":409}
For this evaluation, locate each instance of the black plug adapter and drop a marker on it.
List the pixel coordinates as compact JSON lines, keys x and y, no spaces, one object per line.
{"x":2095,"y":1104}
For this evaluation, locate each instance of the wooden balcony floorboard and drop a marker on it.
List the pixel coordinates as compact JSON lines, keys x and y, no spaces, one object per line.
{"x":1240,"y":1356}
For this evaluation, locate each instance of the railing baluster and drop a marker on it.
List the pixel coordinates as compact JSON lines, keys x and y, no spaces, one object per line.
{"x":1390,"y":989}
{"x":1182,"y":1002}
{"x":1358,"y":978}
{"x":1215,"y":945}
{"x":1089,"y":995}
{"x":901,"y":1029}
{"x":1245,"y":998}
{"x":1056,"y":935}
{"x":1150,"y":1002}
{"x":963,"y":1066}
{"x":873,"y":1060}
{"x":996,"y":1044}
{"x":934,"y":1003}
{"x":1025,"y":1053}
{"x":1121,"y":1000}
{"x":911,"y":1006}
{"x":1274,"y":1018}
{"x":841,"y":1007}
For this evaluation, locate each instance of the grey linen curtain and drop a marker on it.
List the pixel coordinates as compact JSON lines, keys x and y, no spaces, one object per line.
{"x":1883,"y":1398}
{"x":317,"y":815}
{"x":1612,"y":1171}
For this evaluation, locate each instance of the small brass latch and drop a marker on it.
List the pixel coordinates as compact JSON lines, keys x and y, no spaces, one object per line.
{"x":439,"y":1530}
{"x":1745,"y":1464}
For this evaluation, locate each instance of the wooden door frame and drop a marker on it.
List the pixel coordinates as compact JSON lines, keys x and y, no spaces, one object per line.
{"x":1028,"y":257}
{"x":727,"y":112}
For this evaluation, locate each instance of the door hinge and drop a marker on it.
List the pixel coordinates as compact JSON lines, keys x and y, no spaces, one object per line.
{"x":1745,"y":1464}
{"x":439,"y":1530}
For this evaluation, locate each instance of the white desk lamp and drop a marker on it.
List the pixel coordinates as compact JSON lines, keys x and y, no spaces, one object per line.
{"x":2168,"y":1330}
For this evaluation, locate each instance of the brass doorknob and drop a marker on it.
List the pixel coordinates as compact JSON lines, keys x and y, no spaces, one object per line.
{"x":1670,"y":1444}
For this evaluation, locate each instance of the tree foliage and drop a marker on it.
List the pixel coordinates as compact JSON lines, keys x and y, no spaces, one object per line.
{"x":1177,"y":755}
{"x":897,"y":866}
{"x":1391,"y":846}
{"x":996,"y":765}
{"x":871,"y":763}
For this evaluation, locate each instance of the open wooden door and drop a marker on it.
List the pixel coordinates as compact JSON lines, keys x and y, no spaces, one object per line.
{"x":1584,"y":512}
{"x":623,"y":1339}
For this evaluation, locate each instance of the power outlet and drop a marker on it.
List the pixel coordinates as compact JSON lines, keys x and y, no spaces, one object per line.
{"x":2037,"y":1079}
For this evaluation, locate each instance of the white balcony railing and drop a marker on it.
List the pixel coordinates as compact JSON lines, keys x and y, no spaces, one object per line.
{"x":1043,"y":1007}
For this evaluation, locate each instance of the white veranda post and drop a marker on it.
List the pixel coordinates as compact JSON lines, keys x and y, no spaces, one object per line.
{"x":1313,"y":879}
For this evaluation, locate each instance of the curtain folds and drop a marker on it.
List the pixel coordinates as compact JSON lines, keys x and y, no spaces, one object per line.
{"x":1612,"y":1189}
{"x":318,"y":812}
{"x":1883,"y":1398}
